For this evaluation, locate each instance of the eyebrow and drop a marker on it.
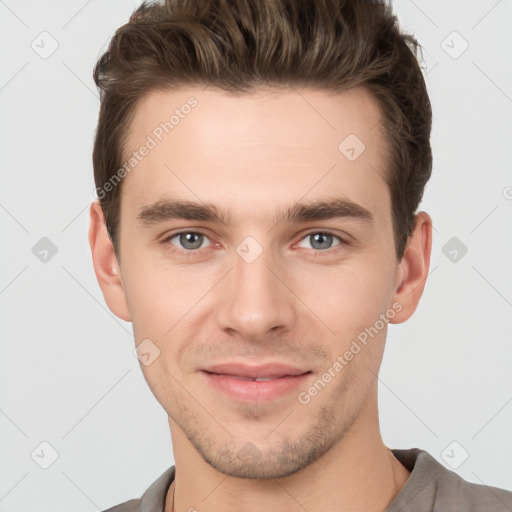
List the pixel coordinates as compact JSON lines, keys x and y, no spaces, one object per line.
{"x":162,"y":211}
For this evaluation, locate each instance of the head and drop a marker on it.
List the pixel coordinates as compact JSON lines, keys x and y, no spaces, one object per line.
{"x":259,"y":164}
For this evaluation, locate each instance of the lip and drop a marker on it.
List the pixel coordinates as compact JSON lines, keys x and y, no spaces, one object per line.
{"x":254,"y":372}
{"x":231,"y":380}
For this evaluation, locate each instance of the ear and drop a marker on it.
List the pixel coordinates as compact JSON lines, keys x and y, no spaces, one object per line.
{"x":106,"y":266}
{"x":413,"y":269}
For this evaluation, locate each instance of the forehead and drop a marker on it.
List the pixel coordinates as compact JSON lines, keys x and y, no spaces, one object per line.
{"x":255,"y":151}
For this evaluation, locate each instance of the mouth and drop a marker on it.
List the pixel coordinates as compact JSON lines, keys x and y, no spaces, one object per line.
{"x":256,"y":379}
{"x":257,"y":383}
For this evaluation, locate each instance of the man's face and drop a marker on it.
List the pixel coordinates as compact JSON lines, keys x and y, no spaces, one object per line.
{"x":265,"y":287}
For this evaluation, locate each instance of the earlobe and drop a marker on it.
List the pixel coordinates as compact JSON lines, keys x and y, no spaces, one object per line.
{"x":106,"y":266}
{"x":413,"y":271}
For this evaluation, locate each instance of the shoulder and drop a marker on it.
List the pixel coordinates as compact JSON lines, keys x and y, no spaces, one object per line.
{"x":475,"y":497}
{"x":127,"y":506}
{"x":153,"y":499}
{"x":432,"y":486}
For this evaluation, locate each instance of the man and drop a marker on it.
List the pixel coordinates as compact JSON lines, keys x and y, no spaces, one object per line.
{"x":258,"y":165}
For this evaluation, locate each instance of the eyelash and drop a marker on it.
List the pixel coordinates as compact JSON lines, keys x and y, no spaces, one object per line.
{"x":198,"y":252}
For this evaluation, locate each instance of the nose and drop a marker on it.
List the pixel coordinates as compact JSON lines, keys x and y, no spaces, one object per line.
{"x":256,"y":299}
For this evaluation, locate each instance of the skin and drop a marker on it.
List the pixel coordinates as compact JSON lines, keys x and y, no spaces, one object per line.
{"x":255,"y":154}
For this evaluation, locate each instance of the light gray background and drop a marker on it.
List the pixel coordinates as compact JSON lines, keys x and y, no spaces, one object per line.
{"x":68,"y":375}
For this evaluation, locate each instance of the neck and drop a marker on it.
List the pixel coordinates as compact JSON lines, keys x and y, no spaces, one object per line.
{"x":358,"y":474}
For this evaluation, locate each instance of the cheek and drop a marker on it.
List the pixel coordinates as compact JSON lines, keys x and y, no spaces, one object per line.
{"x":346,"y":298}
{"x":160,"y":381}
{"x":149,"y":305}
{"x":160,"y":296}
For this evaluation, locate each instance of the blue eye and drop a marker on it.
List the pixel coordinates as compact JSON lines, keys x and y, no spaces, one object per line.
{"x":321,"y":240}
{"x":190,"y":241}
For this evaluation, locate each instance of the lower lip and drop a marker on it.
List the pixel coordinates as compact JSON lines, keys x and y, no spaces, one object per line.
{"x":255,"y":391}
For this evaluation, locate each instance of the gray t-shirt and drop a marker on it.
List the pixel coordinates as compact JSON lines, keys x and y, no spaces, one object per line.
{"x":430,"y":488}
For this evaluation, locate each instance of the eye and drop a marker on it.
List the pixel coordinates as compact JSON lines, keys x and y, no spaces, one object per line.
{"x":322,"y":240}
{"x":189,"y":241}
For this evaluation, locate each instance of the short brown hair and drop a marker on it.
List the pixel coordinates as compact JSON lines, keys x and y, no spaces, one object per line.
{"x":240,"y":45}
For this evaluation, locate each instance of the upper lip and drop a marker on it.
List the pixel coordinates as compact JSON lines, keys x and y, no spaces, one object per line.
{"x":255,"y":372}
